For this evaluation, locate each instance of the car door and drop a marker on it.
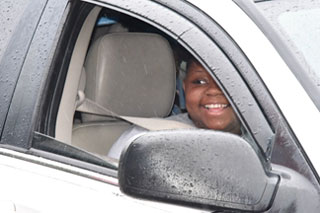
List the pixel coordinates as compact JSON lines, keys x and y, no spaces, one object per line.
{"x":32,"y":125}
{"x":33,"y":180}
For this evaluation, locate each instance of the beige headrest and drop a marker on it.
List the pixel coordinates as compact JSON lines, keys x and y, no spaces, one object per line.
{"x":131,"y":74}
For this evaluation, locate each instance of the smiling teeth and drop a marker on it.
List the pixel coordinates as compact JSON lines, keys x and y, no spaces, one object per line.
{"x":215,"y":106}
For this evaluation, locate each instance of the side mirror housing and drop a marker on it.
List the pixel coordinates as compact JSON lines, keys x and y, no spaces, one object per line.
{"x":198,"y":168}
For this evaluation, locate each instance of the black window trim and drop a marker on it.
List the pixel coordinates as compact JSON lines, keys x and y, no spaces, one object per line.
{"x":15,"y":53}
{"x":25,"y":106}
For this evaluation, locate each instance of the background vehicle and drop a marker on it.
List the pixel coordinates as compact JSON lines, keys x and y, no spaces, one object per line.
{"x":258,"y":63}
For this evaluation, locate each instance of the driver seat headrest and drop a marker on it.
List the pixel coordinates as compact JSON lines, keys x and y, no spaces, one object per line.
{"x":131,"y":74}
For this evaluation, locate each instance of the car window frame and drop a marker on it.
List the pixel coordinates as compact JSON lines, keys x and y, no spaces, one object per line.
{"x":25,"y":105}
{"x":184,"y":32}
{"x":181,"y":31}
{"x":77,"y":14}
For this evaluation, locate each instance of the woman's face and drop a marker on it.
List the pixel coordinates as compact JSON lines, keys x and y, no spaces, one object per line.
{"x":206,"y":103}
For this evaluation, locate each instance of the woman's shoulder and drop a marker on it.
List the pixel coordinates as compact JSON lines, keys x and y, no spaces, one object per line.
{"x":182,"y":117}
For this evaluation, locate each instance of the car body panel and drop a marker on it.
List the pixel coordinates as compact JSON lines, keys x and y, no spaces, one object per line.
{"x":43,"y":185}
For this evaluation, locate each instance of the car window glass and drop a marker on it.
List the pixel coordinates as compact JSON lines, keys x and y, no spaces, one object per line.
{"x":303,"y":28}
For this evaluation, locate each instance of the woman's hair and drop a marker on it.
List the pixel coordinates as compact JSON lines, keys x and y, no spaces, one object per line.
{"x":183,"y":59}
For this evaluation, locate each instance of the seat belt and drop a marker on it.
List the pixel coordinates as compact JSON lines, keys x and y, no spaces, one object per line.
{"x":88,"y":106}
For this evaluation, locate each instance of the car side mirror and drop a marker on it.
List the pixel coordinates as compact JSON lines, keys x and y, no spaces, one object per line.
{"x":199,"y":168}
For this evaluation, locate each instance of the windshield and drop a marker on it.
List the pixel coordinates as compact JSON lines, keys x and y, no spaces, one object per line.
{"x":298,"y":22}
{"x":303,"y":27}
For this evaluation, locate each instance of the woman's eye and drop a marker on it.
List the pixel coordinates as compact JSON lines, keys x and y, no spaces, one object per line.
{"x":199,"y":81}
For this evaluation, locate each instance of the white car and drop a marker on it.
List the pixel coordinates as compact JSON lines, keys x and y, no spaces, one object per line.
{"x":75,"y":75}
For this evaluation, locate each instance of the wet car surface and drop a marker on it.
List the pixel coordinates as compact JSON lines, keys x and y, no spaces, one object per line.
{"x":263,"y":54}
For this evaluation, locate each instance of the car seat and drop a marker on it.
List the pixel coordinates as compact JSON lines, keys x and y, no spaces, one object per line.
{"x":131,"y":74}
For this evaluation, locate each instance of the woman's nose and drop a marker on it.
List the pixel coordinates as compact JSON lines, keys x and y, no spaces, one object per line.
{"x":213,"y":89}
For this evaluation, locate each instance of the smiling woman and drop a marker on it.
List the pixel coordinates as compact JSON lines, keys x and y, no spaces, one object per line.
{"x":207,"y":106}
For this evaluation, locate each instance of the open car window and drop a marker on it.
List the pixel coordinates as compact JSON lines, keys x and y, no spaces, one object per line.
{"x":144,"y":84}
{"x":157,"y":91}
{"x":88,"y":136}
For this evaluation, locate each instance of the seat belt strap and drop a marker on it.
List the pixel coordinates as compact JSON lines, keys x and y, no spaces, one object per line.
{"x":88,"y":106}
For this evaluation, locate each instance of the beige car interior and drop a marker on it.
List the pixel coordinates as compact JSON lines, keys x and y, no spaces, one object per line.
{"x":130,"y":74}
{"x":64,"y":122}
